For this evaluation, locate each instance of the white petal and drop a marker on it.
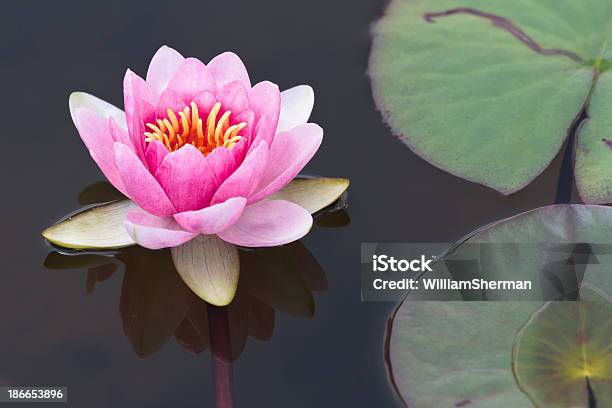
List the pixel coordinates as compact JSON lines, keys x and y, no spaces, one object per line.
{"x":163,"y":64}
{"x":84,"y":100}
{"x":296,"y":106}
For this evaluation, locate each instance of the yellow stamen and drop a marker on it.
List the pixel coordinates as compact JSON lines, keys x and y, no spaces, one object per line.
{"x":194,"y":116}
{"x":187,"y":127}
{"x":167,"y":142}
{"x":184,"y":123}
{"x":170,"y":128}
{"x":154,"y":128}
{"x":210,"y":122}
{"x":233,"y":131}
{"x":173,"y":119}
{"x":200,"y":133}
{"x":232,"y":141}
{"x":220,"y":126}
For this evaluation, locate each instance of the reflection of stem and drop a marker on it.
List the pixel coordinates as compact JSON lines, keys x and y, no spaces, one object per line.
{"x":221,"y":355}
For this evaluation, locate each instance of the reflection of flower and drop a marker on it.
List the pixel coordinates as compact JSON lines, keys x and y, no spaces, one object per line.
{"x":199,"y":150}
{"x":155,"y":304}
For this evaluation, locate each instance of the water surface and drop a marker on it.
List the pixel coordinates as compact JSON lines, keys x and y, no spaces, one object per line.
{"x":55,"y":333}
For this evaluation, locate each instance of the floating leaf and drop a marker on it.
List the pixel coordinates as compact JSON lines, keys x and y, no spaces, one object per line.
{"x":594,"y":147}
{"x":488,"y":90}
{"x":537,"y":245}
{"x":456,"y":354}
{"x":563,"y":354}
{"x":313,"y":194}
{"x":99,"y":227}
{"x":210,"y":267}
{"x":470,"y":363}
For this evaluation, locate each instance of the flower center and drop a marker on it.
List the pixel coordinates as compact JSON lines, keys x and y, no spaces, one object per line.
{"x":188,"y":128}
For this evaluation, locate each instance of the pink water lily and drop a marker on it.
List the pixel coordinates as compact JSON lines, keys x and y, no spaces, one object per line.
{"x":200,"y":150}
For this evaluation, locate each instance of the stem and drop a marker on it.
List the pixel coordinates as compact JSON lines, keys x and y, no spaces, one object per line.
{"x":221,"y":355}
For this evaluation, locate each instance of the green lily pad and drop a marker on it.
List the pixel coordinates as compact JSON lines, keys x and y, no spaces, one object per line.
{"x":456,"y":354}
{"x":488,"y":90}
{"x":470,"y":363}
{"x":563,"y":354}
{"x":594,"y":147}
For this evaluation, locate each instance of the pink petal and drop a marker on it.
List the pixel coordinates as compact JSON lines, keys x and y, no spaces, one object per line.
{"x":186,"y":178}
{"x":140,"y":185}
{"x":222,"y":163}
{"x":95,"y":131}
{"x":269,"y":223}
{"x":233,"y":97}
{"x":204,"y":101}
{"x":264,"y":100}
{"x":191,"y":78}
{"x":153,"y":232}
{"x":263,"y":131}
{"x":289,"y":154}
{"x":169,"y":99}
{"x":163,"y":64}
{"x":119,"y":134}
{"x":213,"y":219}
{"x":136,"y":132}
{"x":239,"y":151}
{"x":296,"y":106}
{"x":246,"y":178}
{"x":139,"y":108}
{"x":228,"y":67}
{"x":154,"y":155}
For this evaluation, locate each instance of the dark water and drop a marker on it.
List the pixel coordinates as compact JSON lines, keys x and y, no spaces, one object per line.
{"x":54,"y":333}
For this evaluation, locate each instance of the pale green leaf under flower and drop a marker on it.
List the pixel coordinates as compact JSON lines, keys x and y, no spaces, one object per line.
{"x":210,"y":267}
{"x":313,"y":194}
{"x":101,"y":227}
